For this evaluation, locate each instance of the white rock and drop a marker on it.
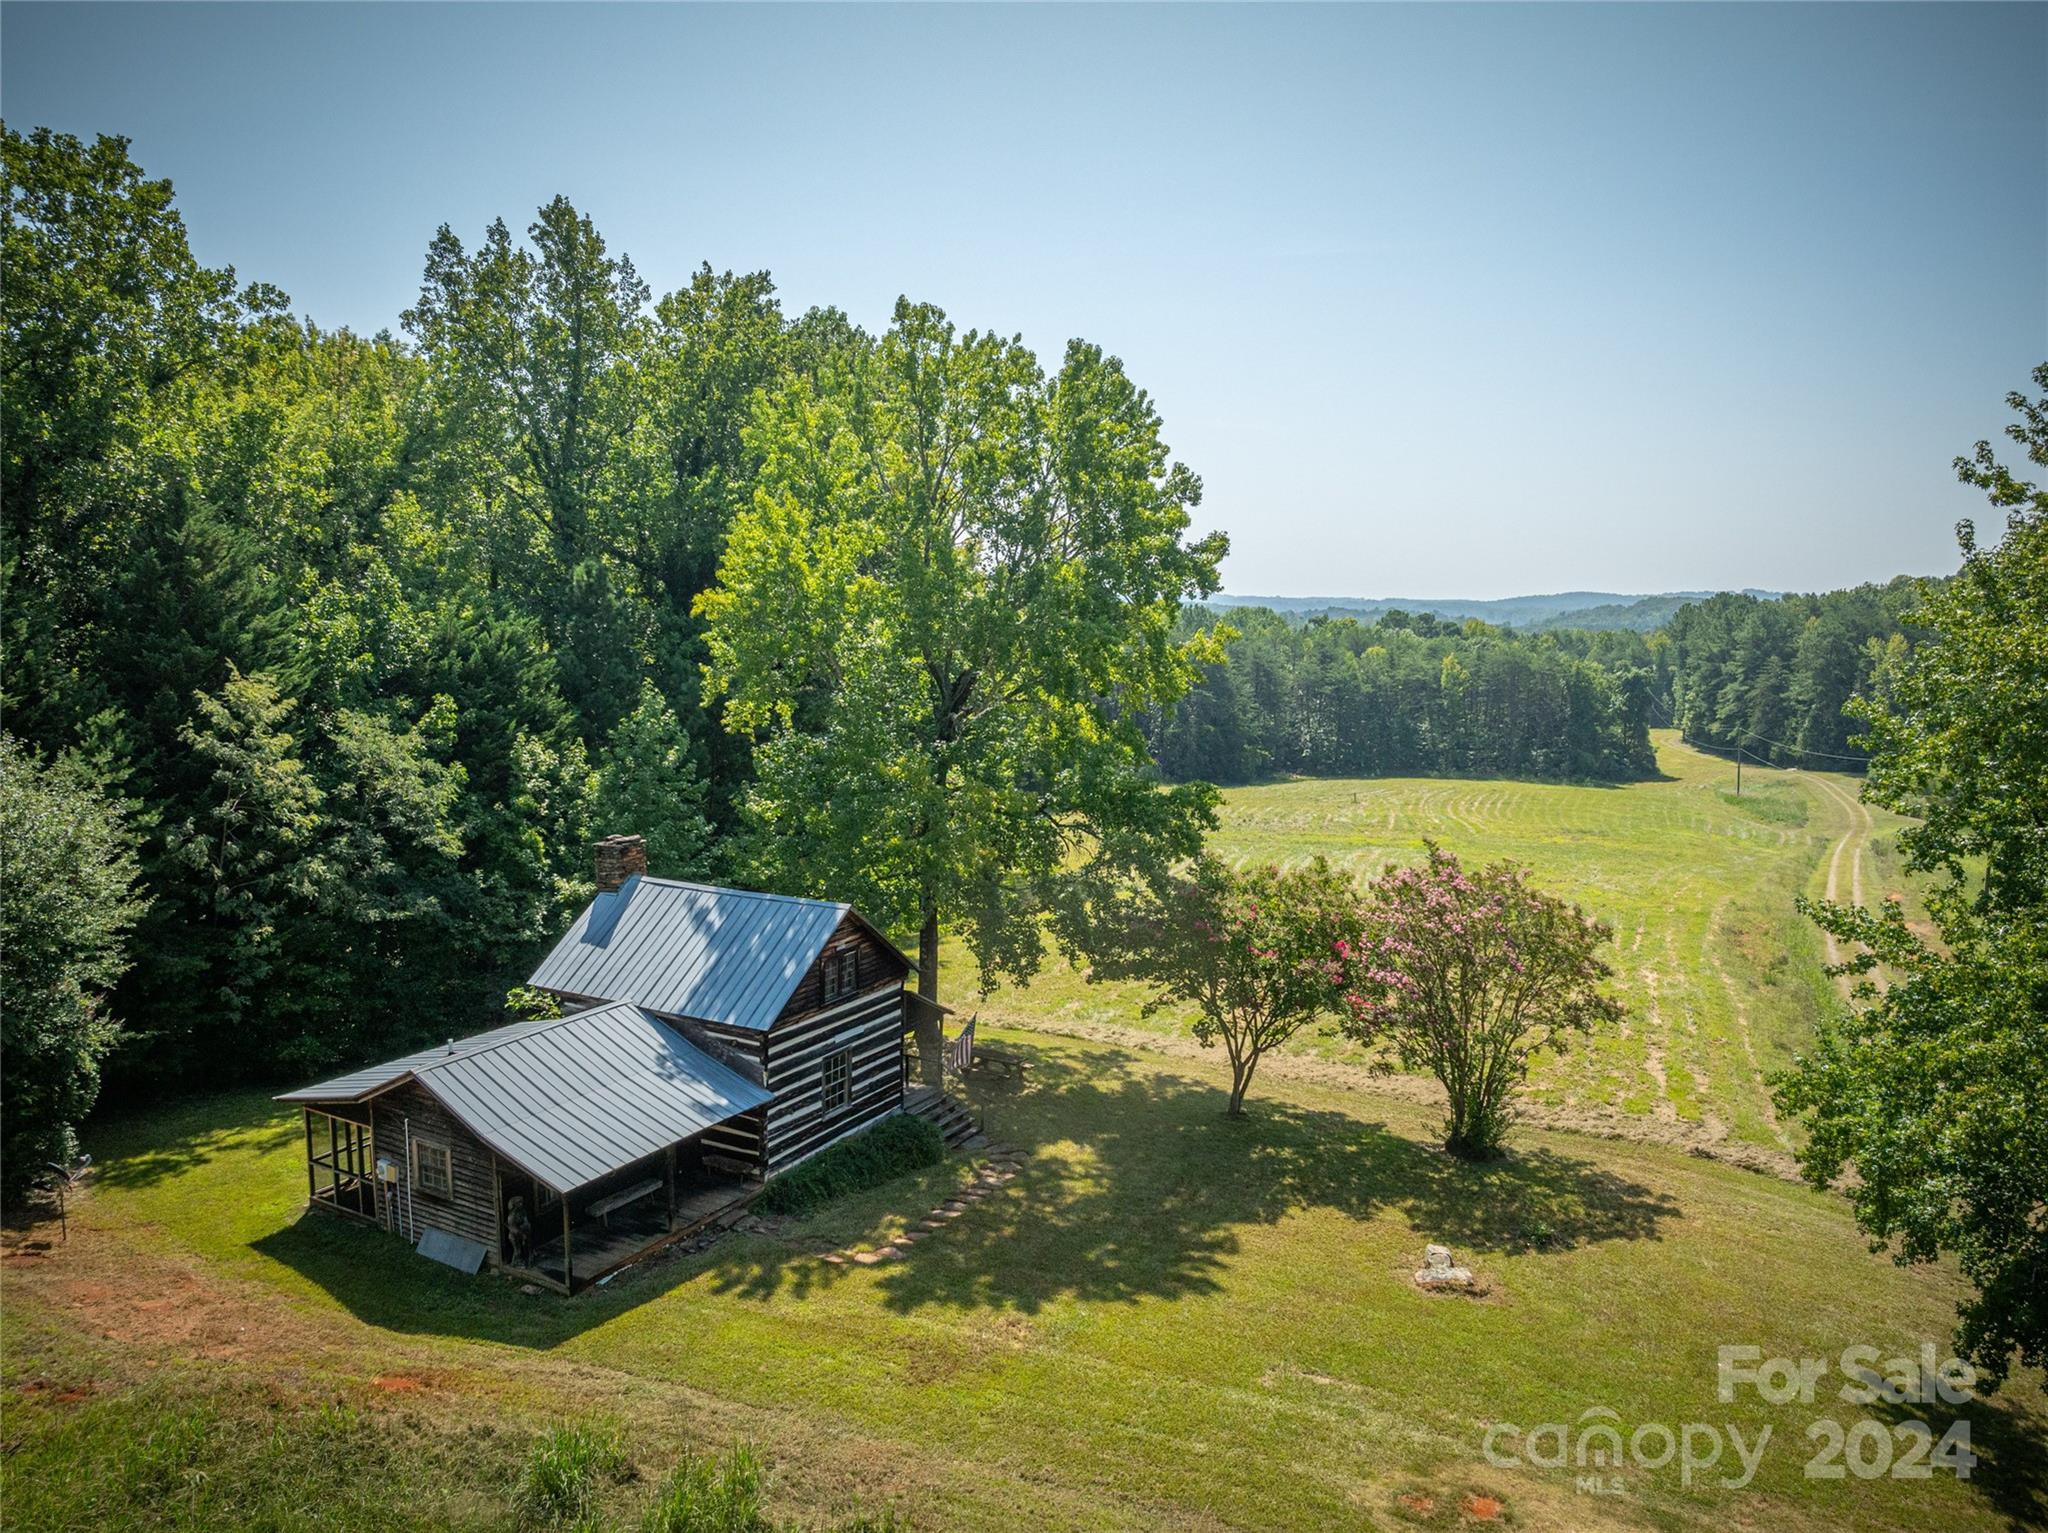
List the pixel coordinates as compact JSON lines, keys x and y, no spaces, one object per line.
{"x":1439,"y":1272}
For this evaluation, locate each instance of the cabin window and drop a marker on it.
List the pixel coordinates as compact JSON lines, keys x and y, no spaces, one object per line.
{"x":433,"y":1169}
{"x":842,"y":973}
{"x":838,"y":1082}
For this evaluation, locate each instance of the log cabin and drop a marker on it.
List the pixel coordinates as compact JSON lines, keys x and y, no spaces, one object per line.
{"x":710,"y":1039}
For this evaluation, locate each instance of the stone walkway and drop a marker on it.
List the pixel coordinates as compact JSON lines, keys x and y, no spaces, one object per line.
{"x":1001,"y":1168}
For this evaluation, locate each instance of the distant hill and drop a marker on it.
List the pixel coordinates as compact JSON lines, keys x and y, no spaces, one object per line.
{"x":1564,"y":609}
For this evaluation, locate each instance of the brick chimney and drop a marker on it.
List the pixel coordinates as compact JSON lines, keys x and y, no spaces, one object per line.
{"x":618,"y":859}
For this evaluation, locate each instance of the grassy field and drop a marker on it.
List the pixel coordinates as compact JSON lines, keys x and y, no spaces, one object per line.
{"x":1723,"y":978}
{"x":1168,"y":1320}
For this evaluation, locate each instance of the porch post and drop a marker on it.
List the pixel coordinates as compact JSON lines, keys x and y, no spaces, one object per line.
{"x":497,"y":1211}
{"x":669,"y":1176}
{"x":568,"y":1269}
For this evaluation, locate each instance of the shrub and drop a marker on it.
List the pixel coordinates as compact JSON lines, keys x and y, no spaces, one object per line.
{"x":892,"y":1148}
{"x":559,"y":1485}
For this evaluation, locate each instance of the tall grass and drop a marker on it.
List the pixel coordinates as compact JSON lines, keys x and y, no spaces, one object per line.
{"x":561,"y":1481}
{"x":704,"y":1495}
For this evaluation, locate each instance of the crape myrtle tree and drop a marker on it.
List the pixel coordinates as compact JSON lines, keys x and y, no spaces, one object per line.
{"x":1259,"y":953}
{"x":1470,"y":976}
{"x":66,"y":905}
{"x":1934,"y":1089}
{"x":951,"y":599}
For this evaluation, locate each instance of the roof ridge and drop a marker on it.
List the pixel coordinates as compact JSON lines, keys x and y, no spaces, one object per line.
{"x":547,"y":1025}
{"x":751,"y":894}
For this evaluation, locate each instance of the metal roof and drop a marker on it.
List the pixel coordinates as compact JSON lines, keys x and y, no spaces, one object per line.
{"x":570,"y":1099}
{"x":358,"y":1084}
{"x":691,"y":950}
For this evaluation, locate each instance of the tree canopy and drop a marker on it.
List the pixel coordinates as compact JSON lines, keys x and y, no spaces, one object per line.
{"x":1259,"y":953}
{"x":1408,"y":693}
{"x":377,"y":634}
{"x":1934,"y":1087}
{"x":1470,"y":976}
{"x":374,"y":633}
{"x":939,"y":621}
{"x":66,"y":906}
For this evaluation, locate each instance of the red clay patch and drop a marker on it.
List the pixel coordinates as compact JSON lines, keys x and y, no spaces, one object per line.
{"x":1420,"y":1505}
{"x":42,"y":1387}
{"x":1482,"y":1508}
{"x":396,"y":1383}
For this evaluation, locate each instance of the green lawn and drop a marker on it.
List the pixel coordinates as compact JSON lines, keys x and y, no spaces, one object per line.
{"x":1722,"y":976}
{"x":1169,"y":1320}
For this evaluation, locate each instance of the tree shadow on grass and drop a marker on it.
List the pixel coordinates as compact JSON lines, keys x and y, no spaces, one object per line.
{"x":1147,"y":1202}
{"x":1150,"y":1202}
{"x":2008,"y":1437}
{"x":139,"y":1150}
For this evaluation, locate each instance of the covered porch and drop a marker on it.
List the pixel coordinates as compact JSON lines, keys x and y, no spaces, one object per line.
{"x":621,"y":1218}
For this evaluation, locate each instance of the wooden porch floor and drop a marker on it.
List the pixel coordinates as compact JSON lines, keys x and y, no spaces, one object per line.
{"x":598,"y":1246}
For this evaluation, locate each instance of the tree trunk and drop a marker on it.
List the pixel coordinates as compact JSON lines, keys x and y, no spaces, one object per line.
{"x":928,"y":955}
{"x":1240,"y":1082}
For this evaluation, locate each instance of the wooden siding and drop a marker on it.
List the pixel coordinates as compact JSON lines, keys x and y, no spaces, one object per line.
{"x":736,"y":1141}
{"x":472,"y":1212}
{"x":870,"y":1027}
{"x":878,"y":961}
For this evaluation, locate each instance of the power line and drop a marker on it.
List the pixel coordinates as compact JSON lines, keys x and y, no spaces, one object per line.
{"x":1750,"y":734}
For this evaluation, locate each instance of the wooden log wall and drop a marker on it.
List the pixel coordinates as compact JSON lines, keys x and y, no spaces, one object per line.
{"x":870,"y":1028}
{"x":472,"y":1212}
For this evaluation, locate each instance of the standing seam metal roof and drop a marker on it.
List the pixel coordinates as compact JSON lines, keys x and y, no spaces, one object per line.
{"x":572,"y":1099}
{"x":731,"y":956}
{"x":360,"y":1083}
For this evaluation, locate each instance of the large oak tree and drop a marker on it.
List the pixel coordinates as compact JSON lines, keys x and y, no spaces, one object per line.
{"x":951,"y":598}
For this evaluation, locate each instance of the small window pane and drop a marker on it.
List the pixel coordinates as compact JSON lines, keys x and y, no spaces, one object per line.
{"x":431,"y":1169}
{"x":838,"y":1085}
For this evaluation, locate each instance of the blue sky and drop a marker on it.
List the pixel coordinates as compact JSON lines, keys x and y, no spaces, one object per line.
{"x":1460,"y":300}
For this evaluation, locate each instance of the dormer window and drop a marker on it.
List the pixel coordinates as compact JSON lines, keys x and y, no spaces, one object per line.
{"x":841,"y":973}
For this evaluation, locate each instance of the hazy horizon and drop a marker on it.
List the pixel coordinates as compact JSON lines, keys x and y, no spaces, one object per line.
{"x":1493,"y":300}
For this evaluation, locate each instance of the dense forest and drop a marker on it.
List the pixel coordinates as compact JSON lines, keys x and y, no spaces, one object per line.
{"x":1410,"y":693}
{"x":361,"y":637}
{"x":1413,"y":693}
{"x":328,"y":656}
{"x":1773,"y":676}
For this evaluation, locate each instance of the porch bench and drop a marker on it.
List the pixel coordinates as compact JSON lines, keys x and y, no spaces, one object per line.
{"x":604,"y":1208}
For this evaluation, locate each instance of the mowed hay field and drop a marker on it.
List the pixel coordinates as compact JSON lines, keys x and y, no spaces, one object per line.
{"x":1166,"y":1320}
{"x":1723,"y":978}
